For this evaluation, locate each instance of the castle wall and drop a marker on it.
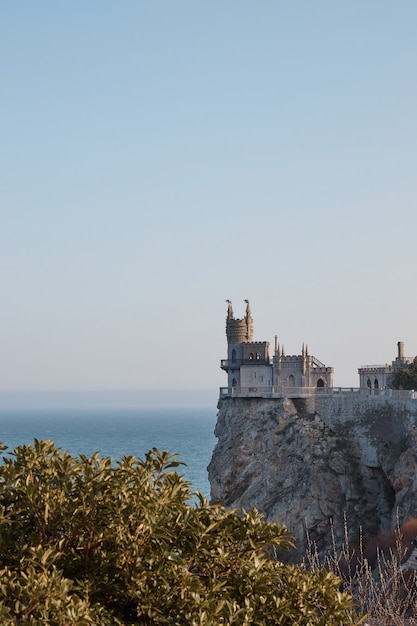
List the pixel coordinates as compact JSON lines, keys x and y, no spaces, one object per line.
{"x":235,"y":352}
{"x":291,"y":372}
{"x":256,"y":375}
{"x":256,"y":351}
{"x":317,"y":374}
{"x":374,"y":419}
{"x":377,"y":377}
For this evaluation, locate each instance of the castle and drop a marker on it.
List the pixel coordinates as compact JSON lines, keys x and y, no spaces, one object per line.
{"x":251,"y":373}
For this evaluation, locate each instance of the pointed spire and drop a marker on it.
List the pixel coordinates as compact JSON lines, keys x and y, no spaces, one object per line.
{"x":282,"y":350}
{"x":249,"y":322}
{"x":277,"y":352}
{"x":302,"y":350}
{"x":304,"y":361}
{"x":306,"y":350}
{"x":229,"y":309}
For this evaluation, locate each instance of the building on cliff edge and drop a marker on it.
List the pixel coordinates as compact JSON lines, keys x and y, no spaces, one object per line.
{"x":252,"y":373}
{"x":376,"y":377}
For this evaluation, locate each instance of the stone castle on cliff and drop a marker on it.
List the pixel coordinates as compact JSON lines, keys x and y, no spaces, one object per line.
{"x":252,"y":373}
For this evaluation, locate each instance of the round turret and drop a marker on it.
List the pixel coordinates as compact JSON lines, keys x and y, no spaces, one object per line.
{"x":236,"y":331}
{"x":239,"y":331}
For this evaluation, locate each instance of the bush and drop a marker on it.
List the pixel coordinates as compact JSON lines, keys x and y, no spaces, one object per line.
{"x":406,"y":378}
{"x":87,"y":541}
{"x":380,"y":575}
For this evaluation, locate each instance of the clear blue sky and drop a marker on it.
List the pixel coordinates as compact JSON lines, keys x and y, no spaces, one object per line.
{"x":158,"y":157}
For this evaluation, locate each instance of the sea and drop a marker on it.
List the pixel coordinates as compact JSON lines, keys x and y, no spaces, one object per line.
{"x":187,"y":433}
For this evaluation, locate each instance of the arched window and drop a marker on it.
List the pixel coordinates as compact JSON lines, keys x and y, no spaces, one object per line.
{"x":233,"y":356}
{"x":291,"y":381}
{"x":376,"y":384}
{"x":234,"y":382}
{"x":369,"y":383}
{"x":320,"y":383}
{"x":251,"y":356}
{"x":258,"y":356}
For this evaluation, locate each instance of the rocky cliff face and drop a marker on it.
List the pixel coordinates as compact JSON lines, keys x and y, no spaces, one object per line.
{"x":312,"y":463}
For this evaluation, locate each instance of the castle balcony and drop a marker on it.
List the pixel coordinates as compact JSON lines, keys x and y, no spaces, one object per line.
{"x":227,"y":364}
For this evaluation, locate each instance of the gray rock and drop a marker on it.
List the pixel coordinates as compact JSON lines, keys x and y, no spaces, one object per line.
{"x":312,"y":463}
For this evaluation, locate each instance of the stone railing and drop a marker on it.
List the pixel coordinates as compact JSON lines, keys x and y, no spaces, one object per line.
{"x":388,"y":366}
{"x":269,"y":392}
{"x":303,"y":392}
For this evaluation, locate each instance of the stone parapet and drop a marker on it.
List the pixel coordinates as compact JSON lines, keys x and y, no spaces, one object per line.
{"x":303,"y":392}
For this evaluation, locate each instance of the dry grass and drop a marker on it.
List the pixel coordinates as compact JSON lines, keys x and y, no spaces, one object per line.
{"x":378,"y":575}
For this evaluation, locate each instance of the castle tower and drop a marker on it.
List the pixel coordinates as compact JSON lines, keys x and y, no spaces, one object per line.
{"x":239,"y":330}
{"x":242,"y":351}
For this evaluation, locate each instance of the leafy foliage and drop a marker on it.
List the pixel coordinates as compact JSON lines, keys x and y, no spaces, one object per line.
{"x":406,"y":378}
{"x":86,"y":541}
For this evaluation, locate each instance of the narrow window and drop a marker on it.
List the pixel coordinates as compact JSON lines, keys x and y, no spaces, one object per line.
{"x":233,"y":356}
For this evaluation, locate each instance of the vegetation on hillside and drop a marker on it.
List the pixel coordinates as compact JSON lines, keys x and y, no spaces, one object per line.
{"x":87,"y":541}
{"x":381,"y":575}
{"x":406,"y":378}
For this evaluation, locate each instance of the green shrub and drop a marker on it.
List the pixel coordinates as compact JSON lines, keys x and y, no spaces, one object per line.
{"x":406,"y":378}
{"x":87,"y":541}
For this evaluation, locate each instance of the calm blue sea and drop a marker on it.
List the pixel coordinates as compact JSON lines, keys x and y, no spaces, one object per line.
{"x":186,"y":432}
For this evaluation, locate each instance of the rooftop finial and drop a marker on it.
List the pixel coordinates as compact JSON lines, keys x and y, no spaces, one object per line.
{"x":229,"y":309}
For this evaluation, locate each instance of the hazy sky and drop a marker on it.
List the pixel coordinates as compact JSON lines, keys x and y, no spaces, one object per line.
{"x":160,"y":156}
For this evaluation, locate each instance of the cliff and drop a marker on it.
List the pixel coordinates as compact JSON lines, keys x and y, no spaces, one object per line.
{"x":309,"y":463}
